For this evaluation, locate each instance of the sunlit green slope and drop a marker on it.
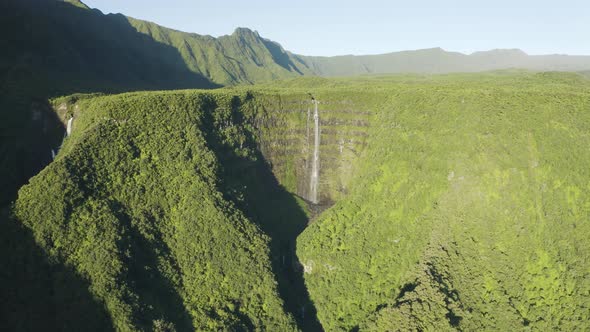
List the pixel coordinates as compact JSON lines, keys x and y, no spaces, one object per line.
{"x":469,"y":210}
{"x":460,"y":204}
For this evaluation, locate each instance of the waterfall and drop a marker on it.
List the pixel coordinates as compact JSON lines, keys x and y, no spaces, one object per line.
{"x":68,"y":133}
{"x":307,"y":146}
{"x":315,"y":166}
{"x":69,"y":127}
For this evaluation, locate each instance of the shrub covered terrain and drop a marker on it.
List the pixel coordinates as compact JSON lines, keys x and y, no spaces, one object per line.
{"x":456,"y":202}
{"x":134,"y":203}
{"x":469,"y":211}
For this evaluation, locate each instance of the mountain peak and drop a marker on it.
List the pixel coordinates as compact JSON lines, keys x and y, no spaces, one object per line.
{"x":77,"y":3}
{"x":240,"y":31}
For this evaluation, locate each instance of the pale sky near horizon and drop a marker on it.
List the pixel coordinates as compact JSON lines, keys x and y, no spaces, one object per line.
{"x":337,"y":27}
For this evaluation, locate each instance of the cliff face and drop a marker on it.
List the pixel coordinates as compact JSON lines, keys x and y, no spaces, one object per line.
{"x":154,"y":197}
{"x":283,"y":127}
{"x":287,"y":140}
{"x":466,"y":211}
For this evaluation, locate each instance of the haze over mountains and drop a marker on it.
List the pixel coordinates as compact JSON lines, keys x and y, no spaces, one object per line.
{"x":438,"y":61}
{"x":434,"y":60}
{"x":122,"y":52}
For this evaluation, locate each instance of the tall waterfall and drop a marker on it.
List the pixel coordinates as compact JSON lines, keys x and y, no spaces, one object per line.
{"x":69,"y":127}
{"x":315,"y":166}
{"x":307,"y":146}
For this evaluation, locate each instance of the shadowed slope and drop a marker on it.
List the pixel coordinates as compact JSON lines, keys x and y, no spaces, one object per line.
{"x":147,"y":225}
{"x":249,"y":182}
{"x":39,"y":293}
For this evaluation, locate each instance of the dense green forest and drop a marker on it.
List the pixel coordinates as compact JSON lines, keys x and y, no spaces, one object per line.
{"x":468,"y":211}
{"x":180,"y":199}
{"x":463,"y":209}
{"x":137,"y":204}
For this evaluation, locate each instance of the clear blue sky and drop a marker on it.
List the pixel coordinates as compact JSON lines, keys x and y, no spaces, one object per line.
{"x":334,"y":27}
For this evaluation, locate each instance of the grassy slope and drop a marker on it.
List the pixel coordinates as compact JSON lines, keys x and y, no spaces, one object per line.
{"x":135,"y":204}
{"x":468,"y":211}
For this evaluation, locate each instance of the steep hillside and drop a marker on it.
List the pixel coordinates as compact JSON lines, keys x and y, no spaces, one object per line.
{"x":137,"y":205}
{"x":52,"y":48}
{"x":155,"y":197}
{"x":456,"y":202}
{"x":242,"y":57}
{"x":467,"y":211}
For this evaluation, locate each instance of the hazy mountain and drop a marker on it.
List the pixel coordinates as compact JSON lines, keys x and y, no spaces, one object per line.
{"x":437,"y":61}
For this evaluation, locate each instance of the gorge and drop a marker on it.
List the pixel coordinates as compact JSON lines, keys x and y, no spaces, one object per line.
{"x":157,"y":180}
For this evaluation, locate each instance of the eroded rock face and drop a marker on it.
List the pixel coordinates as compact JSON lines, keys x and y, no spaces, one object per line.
{"x":287,"y":128}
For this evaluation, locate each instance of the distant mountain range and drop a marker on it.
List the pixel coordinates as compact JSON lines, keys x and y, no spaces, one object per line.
{"x":81,"y":48}
{"x":437,"y":60}
{"x":246,"y":57}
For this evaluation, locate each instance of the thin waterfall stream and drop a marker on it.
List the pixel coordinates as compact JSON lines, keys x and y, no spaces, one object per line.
{"x":69,"y":127}
{"x":68,"y":132}
{"x":315,"y":166}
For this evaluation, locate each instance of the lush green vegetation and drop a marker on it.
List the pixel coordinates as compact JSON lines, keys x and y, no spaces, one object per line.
{"x":136,"y":204}
{"x":53,"y":48}
{"x":40,"y":293}
{"x":460,"y":200}
{"x":461,"y":203}
{"x":468,"y":210}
